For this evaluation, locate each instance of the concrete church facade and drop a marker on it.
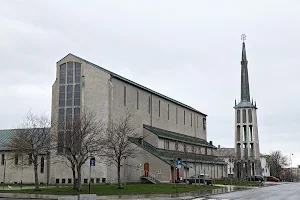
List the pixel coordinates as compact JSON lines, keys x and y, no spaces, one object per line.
{"x":174,"y":130}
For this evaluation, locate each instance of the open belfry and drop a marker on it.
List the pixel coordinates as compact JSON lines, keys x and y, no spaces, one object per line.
{"x":247,"y":161}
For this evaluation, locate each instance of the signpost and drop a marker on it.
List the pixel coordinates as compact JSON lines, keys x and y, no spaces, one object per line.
{"x":92,"y":164}
{"x":179,"y":163}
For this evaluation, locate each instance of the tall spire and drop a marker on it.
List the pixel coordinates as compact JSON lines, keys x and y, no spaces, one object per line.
{"x":245,"y":92}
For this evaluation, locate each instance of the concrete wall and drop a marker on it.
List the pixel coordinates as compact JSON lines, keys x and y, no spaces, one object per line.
{"x":22,"y":171}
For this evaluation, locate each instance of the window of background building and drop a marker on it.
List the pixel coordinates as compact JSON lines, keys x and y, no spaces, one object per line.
{"x":85,"y":180}
{"x":92,"y":180}
{"x":77,"y":95}
{"x":103,"y":180}
{"x":176,"y":145}
{"x":124,"y":95}
{"x":184,"y":117}
{"x":167,"y":144}
{"x":62,"y":96}
{"x":42,"y":165}
{"x":69,"y":180}
{"x":191,"y":119}
{"x":2,"y":159}
{"x":168,"y":111}
{"x":57,"y":180}
{"x":97,"y":180}
{"x":69,"y":95}
{"x":205,"y":151}
{"x":137,"y":99}
{"x":63,"y":180}
{"x":159,"y":108}
{"x":16,"y":159}
{"x":204,"y":123}
{"x":176,"y":115}
{"x":197,"y":122}
{"x":149,"y":109}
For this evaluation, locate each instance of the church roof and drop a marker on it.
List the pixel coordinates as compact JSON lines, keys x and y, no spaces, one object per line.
{"x":169,"y":155}
{"x":137,"y":85}
{"x":177,"y":136}
{"x":6,"y":136}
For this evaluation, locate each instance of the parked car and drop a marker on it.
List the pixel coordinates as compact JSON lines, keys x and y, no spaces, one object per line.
{"x":257,"y":178}
{"x":272,"y":179}
{"x":203,"y":178}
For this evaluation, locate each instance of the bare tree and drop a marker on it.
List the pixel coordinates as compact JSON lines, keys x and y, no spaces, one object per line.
{"x":276,"y":160}
{"x":80,"y":140}
{"x":32,"y":139}
{"x":118,"y":142}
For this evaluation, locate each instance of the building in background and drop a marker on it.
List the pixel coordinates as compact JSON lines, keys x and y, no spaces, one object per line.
{"x":229,"y":156}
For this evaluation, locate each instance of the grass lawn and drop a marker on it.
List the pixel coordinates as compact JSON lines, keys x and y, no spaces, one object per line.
{"x":235,"y":182}
{"x":113,"y":189}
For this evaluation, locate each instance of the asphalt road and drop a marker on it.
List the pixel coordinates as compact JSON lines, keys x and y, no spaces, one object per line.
{"x":289,"y":191}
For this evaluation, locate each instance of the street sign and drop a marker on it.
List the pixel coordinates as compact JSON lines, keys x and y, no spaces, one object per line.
{"x":179,"y":163}
{"x":92,"y":162}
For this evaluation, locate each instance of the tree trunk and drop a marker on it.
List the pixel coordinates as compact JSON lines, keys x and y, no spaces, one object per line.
{"x":119,"y":175}
{"x":74,"y":177}
{"x":79,"y":186}
{"x":36,"y":178}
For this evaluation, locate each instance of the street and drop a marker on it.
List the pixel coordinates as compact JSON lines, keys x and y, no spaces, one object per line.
{"x":289,"y":191}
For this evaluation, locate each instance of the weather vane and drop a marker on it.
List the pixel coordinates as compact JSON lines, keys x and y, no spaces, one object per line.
{"x":243,"y":37}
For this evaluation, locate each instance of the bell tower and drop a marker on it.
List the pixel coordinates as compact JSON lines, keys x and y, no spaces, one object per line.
{"x":247,"y":152}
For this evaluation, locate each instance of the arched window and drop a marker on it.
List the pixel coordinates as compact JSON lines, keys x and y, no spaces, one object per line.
{"x":244,"y":116}
{"x":250,"y":115}
{"x":238,"y":116}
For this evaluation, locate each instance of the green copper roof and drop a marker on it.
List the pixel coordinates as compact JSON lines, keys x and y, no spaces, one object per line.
{"x":136,"y":84}
{"x":170,"y":156}
{"x":177,"y":136}
{"x":6,"y":135}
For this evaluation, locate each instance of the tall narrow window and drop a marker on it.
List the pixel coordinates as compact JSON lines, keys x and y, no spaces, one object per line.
{"x":176,"y":145}
{"x":244,"y":116}
{"x":2,"y":159}
{"x":16,"y":159}
{"x":62,"y":73}
{"x":77,"y":95}
{"x":205,"y":151}
{"x":250,"y":115}
{"x":184,"y":117}
{"x":137,"y":99}
{"x":62,"y":96}
{"x":238,"y":132}
{"x":204,"y":123}
{"x":149,"y":109}
{"x":197,"y":121}
{"x":69,"y":95}
{"x":124,"y":95}
{"x":77,"y":72}
{"x":168,"y":111}
{"x":42,"y":165}
{"x":70,"y":72}
{"x":238,"y":116}
{"x":191,"y":119}
{"x":176,"y":115}
{"x":159,"y":108}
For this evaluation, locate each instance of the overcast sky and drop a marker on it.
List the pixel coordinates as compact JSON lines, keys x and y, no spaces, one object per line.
{"x":187,"y":50}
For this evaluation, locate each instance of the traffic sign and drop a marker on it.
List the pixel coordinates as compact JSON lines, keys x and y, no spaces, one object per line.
{"x":179,"y":163}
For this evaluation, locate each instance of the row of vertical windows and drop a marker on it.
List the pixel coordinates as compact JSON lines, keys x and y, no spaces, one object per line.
{"x":244,"y":114}
{"x":42,"y":163}
{"x":69,"y":99}
{"x":167,"y":147}
{"x":63,"y":180}
{"x":159,"y":109}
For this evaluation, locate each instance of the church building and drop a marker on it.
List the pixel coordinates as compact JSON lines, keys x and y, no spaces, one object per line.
{"x":174,"y":130}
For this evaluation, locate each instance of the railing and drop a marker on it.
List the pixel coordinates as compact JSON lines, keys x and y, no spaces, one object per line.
{"x":148,"y":175}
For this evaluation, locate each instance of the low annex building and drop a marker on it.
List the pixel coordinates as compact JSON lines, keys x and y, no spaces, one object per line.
{"x":173,"y":130}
